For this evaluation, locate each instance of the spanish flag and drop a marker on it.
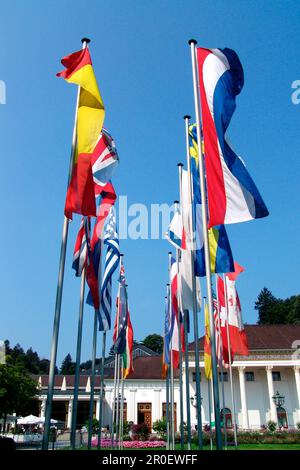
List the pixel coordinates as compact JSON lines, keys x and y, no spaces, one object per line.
{"x":90,"y":116}
{"x":207,"y":350}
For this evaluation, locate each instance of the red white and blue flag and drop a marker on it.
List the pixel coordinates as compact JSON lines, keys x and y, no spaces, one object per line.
{"x":80,"y":249}
{"x":104,"y":160}
{"x":232,"y":194}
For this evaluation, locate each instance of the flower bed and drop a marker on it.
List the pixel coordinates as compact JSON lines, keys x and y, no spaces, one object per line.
{"x":106,"y":443}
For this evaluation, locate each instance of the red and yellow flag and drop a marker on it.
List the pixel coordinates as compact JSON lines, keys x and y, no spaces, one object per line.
{"x":127,"y":356}
{"x":90,"y":117}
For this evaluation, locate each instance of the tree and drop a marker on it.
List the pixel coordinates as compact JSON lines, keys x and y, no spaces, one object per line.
{"x":265,"y":301}
{"x":67,"y":366}
{"x":17,"y":390}
{"x":294,"y":313}
{"x":154,"y":342}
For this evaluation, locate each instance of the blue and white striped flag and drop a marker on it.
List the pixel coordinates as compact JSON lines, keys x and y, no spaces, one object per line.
{"x":111,"y":241}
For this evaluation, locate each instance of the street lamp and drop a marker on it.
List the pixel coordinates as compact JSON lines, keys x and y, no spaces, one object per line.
{"x":278,"y":399}
{"x":194,"y":401}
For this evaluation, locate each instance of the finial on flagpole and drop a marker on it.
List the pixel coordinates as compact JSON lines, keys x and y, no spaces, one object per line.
{"x":187,"y":116}
{"x":121,"y":254}
{"x":192,"y":41}
{"x":170,"y":252}
{"x":180,"y":164}
{"x":86,"y":40}
{"x":176,"y":202}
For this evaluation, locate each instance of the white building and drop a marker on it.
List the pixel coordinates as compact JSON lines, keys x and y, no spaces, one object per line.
{"x":273,"y":365}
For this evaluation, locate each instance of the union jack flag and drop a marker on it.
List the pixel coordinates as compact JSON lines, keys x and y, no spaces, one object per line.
{"x":104,"y":159}
{"x":80,"y":250}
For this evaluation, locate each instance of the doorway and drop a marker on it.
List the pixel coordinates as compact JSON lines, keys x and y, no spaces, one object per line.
{"x":145,"y":414}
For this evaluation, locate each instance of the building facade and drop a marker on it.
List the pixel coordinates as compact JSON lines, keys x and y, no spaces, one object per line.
{"x":272,"y":366}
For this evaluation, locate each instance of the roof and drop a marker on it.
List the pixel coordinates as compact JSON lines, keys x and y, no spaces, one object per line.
{"x":266,"y":337}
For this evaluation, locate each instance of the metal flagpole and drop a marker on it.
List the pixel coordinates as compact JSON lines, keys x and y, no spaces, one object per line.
{"x":195,"y":316}
{"x":168,"y":389}
{"x":221,"y":364}
{"x":187,"y":382}
{"x":100,"y":417}
{"x":171,"y":368}
{"x":180,"y":316}
{"x":93,"y":373}
{"x":118,"y":400}
{"x":113,"y":404}
{"x":209,"y":411}
{"x":59,"y":290}
{"x":230,"y":364}
{"x":122,"y":407}
{"x":77,"y":366}
{"x":192,"y":44}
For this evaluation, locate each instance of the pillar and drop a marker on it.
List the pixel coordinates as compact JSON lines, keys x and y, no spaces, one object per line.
{"x":245,"y":419}
{"x":273,"y":410}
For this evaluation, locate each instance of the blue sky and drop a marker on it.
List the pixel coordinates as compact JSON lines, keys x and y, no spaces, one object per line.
{"x":142,"y":62}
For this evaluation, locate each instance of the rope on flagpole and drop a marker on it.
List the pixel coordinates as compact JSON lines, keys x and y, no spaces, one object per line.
{"x":194,"y":287}
{"x":77,"y":365}
{"x":59,"y":290}
{"x":230,"y":364}
{"x":192,"y":44}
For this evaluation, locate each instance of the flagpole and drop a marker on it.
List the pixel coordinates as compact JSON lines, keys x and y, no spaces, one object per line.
{"x":171,"y":360}
{"x":192,"y":44}
{"x":77,"y":366}
{"x":180,"y":317}
{"x":221,"y":364}
{"x":100,"y":417}
{"x":114,"y":404}
{"x":93,"y":373}
{"x":59,"y":291}
{"x":187,"y":382}
{"x":168,"y":388}
{"x":195,"y":316}
{"x":230,"y":364}
{"x":122,"y":406}
{"x":118,"y":400}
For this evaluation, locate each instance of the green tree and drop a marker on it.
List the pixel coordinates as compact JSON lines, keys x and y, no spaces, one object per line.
{"x":154,"y":342}
{"x":17,"y":390}
{"x":67,"y":366}
{"x":294,"y":312}
{"x":265,"y":301}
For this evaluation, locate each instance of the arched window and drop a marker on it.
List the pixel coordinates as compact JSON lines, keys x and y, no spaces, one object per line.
{"x":282,"y":417}
{"x":226,"y":418}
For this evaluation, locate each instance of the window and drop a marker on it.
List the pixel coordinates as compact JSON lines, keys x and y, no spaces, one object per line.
{"x":249,"y":376}
{"x":194,"y":376}
{"x":276,"y":376}
{"x":225,"y":376}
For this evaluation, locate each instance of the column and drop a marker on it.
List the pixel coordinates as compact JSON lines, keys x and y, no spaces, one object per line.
{"x":273,"y":410}
{"x":131,"y":406}
{"x":70,"y":409}
{"x":297,"y":380}
{"x":43,"y":408}
{"x":243,"y":398}
{"x":98,"y":408}
{"x":157,"y":407}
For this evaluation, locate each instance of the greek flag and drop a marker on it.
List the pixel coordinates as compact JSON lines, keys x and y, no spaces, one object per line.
{"x":111,"y":241}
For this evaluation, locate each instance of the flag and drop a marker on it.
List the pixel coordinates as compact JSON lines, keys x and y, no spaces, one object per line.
{"x":221,"y":259}
{"x":80,"y":250}
{"x":186,"y":281}
{"x":175,"y":233}
{"x":237,"y":334}
{"x":232,"y":194}
{"x":90,"y":116}
{"x":119,"y":337}
{"x":237,"y":270}
{"x":207,"y":348}
{"x":104,"y":159}
{"x":111,"y":241}
{"x":92,"y":270}
{"x":174,"y":334}
{"x":219,"y":347}
{"x":127,"y":355}
{"x":106,"y":198}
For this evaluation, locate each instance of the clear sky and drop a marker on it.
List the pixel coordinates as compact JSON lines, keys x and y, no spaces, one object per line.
{"x":142,"y":62}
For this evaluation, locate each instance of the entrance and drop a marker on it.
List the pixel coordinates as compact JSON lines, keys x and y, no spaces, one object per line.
{"x":145,"y":414}
{"x":175,"y":414}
